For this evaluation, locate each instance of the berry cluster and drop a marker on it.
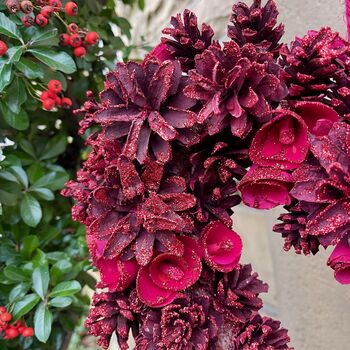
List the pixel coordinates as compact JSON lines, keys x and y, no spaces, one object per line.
{"x":11,"y":331}
{"x":78,"y":39}
{"x":45,"y":8}
{"x":53,"y":97}
{"x":40,"y":14}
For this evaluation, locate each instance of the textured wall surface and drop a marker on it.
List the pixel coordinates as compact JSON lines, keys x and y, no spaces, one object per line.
{"x":303,"y":293}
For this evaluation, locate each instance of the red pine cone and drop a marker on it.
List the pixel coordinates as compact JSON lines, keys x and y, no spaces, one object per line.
{"x":256,"y":24}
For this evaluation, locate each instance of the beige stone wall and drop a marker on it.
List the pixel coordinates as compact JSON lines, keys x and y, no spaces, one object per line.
{"x":303,"y":293}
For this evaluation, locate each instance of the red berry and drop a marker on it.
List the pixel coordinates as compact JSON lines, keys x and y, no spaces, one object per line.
{"x":66,"y":102}
{"x":71,"y":8}
{"x":27,"y":20}
{"x":48,"y":104}
{"x":3,"y":48}
{"x":55,"y":86}
{"x":58,"y":101}
{"x":75,"y":40}
{"x":79,"y":51}
{"x":56,"y":4}
{"x":2,"y":309}
{"x":41,"y":20}
{"x":47,"y":11}
{"x":27,"y":7}
{"x":11,"y":333}
{"x":73,"y":28}
{"x":5,"y":317}
{"x":41,"y":2}
{"x":64,"y":39}
{"x":92,"y":38}
{"x":13,"y":6}
{"x":44,"y":96}
{"x":28,"y":332}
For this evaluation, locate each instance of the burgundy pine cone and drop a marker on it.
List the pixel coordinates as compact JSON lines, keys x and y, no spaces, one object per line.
{"x":237,"y":293}
{"x":293,"y":228}
{"x":186,"y":39}
{"x":256,"y":24}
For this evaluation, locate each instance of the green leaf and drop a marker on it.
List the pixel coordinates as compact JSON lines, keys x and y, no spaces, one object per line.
{"x":124,"y":25}
{"x":14,"y":54}
{"x":43,"y":193}
{"x":65,"y":289}
{"x":25,"y":305}
{"x":8,"y":176}
{"x":30,"y":69}
{"x":15,"y":274}
{"x":31,"y":212}
{"x":9,"y":192}
{"x":20,"y":174}
{"x":29,"y":245}
{"x":56,"y":60}
{"x":27,"y":147}
{"x":18,"y":121}
{"x":54,"y":181}
{"x":9,"y":28}
{"x":141,"y":4}
{"x":42,"y":36}
{"x":18,"y":292}
{"x":54,"y":147}
{"x":60,"y":302}
{"x":5,"y":75}
{"x":16,"y":95}
{"x":42,"y":323}
{"x":41,"y":279}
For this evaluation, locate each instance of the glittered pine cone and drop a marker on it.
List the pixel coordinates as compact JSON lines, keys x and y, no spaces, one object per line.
{"x":144,"y":107}
{"x":293,"y":228}
{"x":325,"y":187}
{"x":256,"y":24}
{"x":236,"y":294}
{"x":262,"y":333}
{"x":313,"y":63}
{"x":109,"y":313}
{"x":236,"y":85}
{"x":186,"y":39}
{"x":188,"y":323}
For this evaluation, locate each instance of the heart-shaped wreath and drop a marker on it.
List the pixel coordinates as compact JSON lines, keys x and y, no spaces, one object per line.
{"x":180,"y":139}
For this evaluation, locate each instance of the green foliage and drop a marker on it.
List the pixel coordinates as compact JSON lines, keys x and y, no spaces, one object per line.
{"x":44,"y":266}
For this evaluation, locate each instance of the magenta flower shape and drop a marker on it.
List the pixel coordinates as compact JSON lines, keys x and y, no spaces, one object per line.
{"x":235,"y":85}
{"x":266,"y":188}
{"x":281,"y":143}
{"x":339,"y":261}
{"x":222,"y":247}
{"x":116,"y":274}
{"x":318,"y":117}
{"x":144,"y":106}
{"x":159,"y":282}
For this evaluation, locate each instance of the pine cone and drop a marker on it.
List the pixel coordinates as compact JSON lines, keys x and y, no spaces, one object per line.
{"x":262,"y":333}
{"x":187,"y":323}
{"x":109,"y":313}
{"x":236,"y":86}
{"x":325,"y":187}
{"x":143,"y":106}
{"x":293,"y":228}
{"x":237,"y":293}
{"x":313,"y":63}
{"x":256,"y":25}
{"x":188,"y":40}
